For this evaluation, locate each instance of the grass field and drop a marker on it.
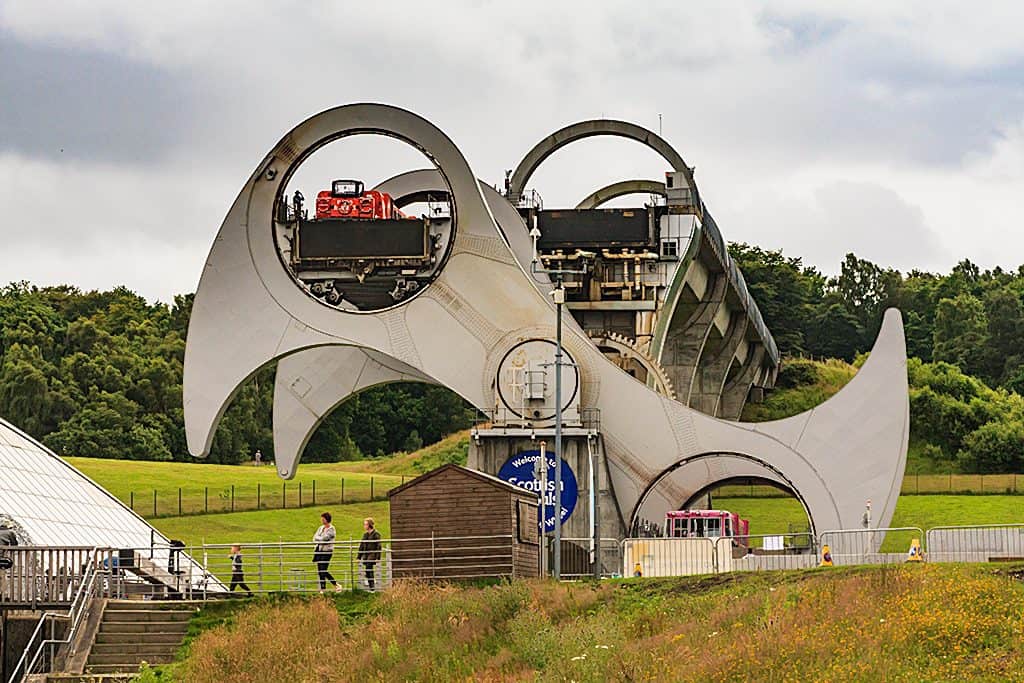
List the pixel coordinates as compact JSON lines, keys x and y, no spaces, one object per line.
{"x":209,"y":487}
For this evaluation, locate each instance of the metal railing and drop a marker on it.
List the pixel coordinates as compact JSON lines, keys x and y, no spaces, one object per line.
{"x":303,"y":567}
{"x":983,"y":543}
{"x":766,"y":552}
{"x":864,"y":546}
{"x":578,"y":557}
{"x":42,"y":650}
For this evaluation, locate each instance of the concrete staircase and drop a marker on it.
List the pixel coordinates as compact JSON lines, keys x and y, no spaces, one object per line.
{"x":135,"y":631}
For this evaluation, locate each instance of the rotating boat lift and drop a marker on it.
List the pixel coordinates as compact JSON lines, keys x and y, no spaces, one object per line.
{"x":485,"y":320}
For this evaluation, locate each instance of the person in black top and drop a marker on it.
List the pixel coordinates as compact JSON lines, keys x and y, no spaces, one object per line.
{"x":369,"y":550}
{"x":237,"y":573}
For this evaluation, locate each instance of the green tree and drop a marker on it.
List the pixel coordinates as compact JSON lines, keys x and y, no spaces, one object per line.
{"x":961,"y":332}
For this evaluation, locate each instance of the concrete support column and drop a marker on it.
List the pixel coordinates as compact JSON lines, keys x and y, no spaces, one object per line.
{"x":734,"y":395}
{"x":713,"y":368}
{"x":684,"y":342}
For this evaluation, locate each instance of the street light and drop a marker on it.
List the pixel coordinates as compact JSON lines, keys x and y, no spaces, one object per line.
{"x":558,"y":294}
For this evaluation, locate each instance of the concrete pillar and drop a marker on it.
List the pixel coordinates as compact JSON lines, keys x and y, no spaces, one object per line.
{"x":734,"y":395}
{"x":713,"y":367}
{"x":684,"y":341}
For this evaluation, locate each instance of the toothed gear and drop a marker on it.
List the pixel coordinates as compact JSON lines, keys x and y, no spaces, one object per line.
{"x":628,"y":348}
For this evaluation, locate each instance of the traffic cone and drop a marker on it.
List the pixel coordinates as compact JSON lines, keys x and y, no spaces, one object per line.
{"x":826,"y":556}
{"x":915,"y":554}
{"x":638,"y":570}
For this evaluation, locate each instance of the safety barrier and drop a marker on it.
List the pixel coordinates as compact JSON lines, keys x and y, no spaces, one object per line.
{"x":984,"y":543}
{"x":578,"y":557}
{"x":766,"y":552}
{"x":863,"y":546}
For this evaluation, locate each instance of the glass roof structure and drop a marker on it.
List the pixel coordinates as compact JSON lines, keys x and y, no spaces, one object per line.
{"x":48,"y":502}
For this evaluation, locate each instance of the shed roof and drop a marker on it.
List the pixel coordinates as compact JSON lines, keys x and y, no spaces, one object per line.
{"x":486,"y":478}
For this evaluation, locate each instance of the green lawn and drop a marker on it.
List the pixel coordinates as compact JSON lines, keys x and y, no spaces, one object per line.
{"x":271,"y":526}
{"x":209,"y":487}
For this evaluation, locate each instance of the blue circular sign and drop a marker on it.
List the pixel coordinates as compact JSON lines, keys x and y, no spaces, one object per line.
{"x":521,"y":470}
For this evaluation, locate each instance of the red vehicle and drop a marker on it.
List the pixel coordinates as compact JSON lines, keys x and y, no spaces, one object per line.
{"x":706,"y":524}
{"x":347,"y":199}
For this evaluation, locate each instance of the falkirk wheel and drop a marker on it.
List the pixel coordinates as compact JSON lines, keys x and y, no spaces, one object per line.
{"x":665,"y":341}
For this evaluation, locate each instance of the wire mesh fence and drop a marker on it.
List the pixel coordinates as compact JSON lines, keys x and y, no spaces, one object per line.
{"x":179,"y":501}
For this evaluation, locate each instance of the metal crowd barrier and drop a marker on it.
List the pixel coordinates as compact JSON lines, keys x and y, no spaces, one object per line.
{"x":578,"y":558}
{"x":864,"y":546}
{"x":983,"y":543}
{"x":766,"y":552}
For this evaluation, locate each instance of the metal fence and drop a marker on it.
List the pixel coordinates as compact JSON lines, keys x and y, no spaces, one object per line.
{"x":302,"y":567}
{"x":864,"y":546}
{"x":178,"y":501}
{"x":579,"y":556}
{"x":985,"y":543}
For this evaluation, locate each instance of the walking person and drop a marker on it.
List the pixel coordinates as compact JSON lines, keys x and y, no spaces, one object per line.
{"x":237,"y":573}
{"x":369,"y":550}
{"x":324,"y":539}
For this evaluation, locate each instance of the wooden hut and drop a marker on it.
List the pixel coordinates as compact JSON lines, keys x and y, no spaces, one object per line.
{"x":459,"y":524}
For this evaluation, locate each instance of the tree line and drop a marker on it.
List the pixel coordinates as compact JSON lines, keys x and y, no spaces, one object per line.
{"x":99,"y":373}
{"x":963,"y":331}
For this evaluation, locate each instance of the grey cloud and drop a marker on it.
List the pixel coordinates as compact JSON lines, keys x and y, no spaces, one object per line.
{"x":72,"y":104}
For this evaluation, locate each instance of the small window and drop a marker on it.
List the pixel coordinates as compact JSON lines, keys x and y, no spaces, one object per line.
{"x":670,"y":249}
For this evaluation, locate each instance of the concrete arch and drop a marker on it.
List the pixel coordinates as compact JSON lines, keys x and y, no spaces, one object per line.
{"x":620,"y":189}
{"x":592,"y":128}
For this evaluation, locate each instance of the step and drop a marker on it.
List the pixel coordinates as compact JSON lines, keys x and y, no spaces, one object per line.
{"x":133,"y":649}
{"x":144,"y":627}
{"x":147,"y":615}
{"x":178,"y":605}
{"x":90,"y":678}
{"x":145,"y":637}
{"x":113,"y":669}
{"x":126,"y":661}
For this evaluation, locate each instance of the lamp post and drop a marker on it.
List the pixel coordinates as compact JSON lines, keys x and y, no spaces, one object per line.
{"x":558,"y":294}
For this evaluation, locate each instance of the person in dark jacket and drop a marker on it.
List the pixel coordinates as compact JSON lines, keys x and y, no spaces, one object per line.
{"x":369,"y":550}
{"x":237,"y":572}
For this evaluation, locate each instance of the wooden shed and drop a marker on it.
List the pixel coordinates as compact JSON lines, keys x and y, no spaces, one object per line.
{"x":457,"y":523}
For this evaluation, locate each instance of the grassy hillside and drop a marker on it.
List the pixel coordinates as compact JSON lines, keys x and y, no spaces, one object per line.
{"x":802,"y":385}
{"x":452,"y":449}
{"x":903,"y":623}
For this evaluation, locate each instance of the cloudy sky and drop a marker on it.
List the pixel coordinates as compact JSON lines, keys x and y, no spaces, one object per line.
{"x":893,"y":130}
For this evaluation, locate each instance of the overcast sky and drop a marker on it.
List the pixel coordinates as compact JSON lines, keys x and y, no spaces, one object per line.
{"x":893,"y":130}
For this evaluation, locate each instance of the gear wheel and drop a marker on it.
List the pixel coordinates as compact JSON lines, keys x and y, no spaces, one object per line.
{"x":629,"y":350}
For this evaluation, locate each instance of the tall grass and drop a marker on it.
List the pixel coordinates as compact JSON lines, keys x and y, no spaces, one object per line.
{"x":907,"y":623}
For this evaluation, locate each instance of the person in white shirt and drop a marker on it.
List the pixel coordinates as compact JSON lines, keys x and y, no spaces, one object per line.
{"x":324,"y":539}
